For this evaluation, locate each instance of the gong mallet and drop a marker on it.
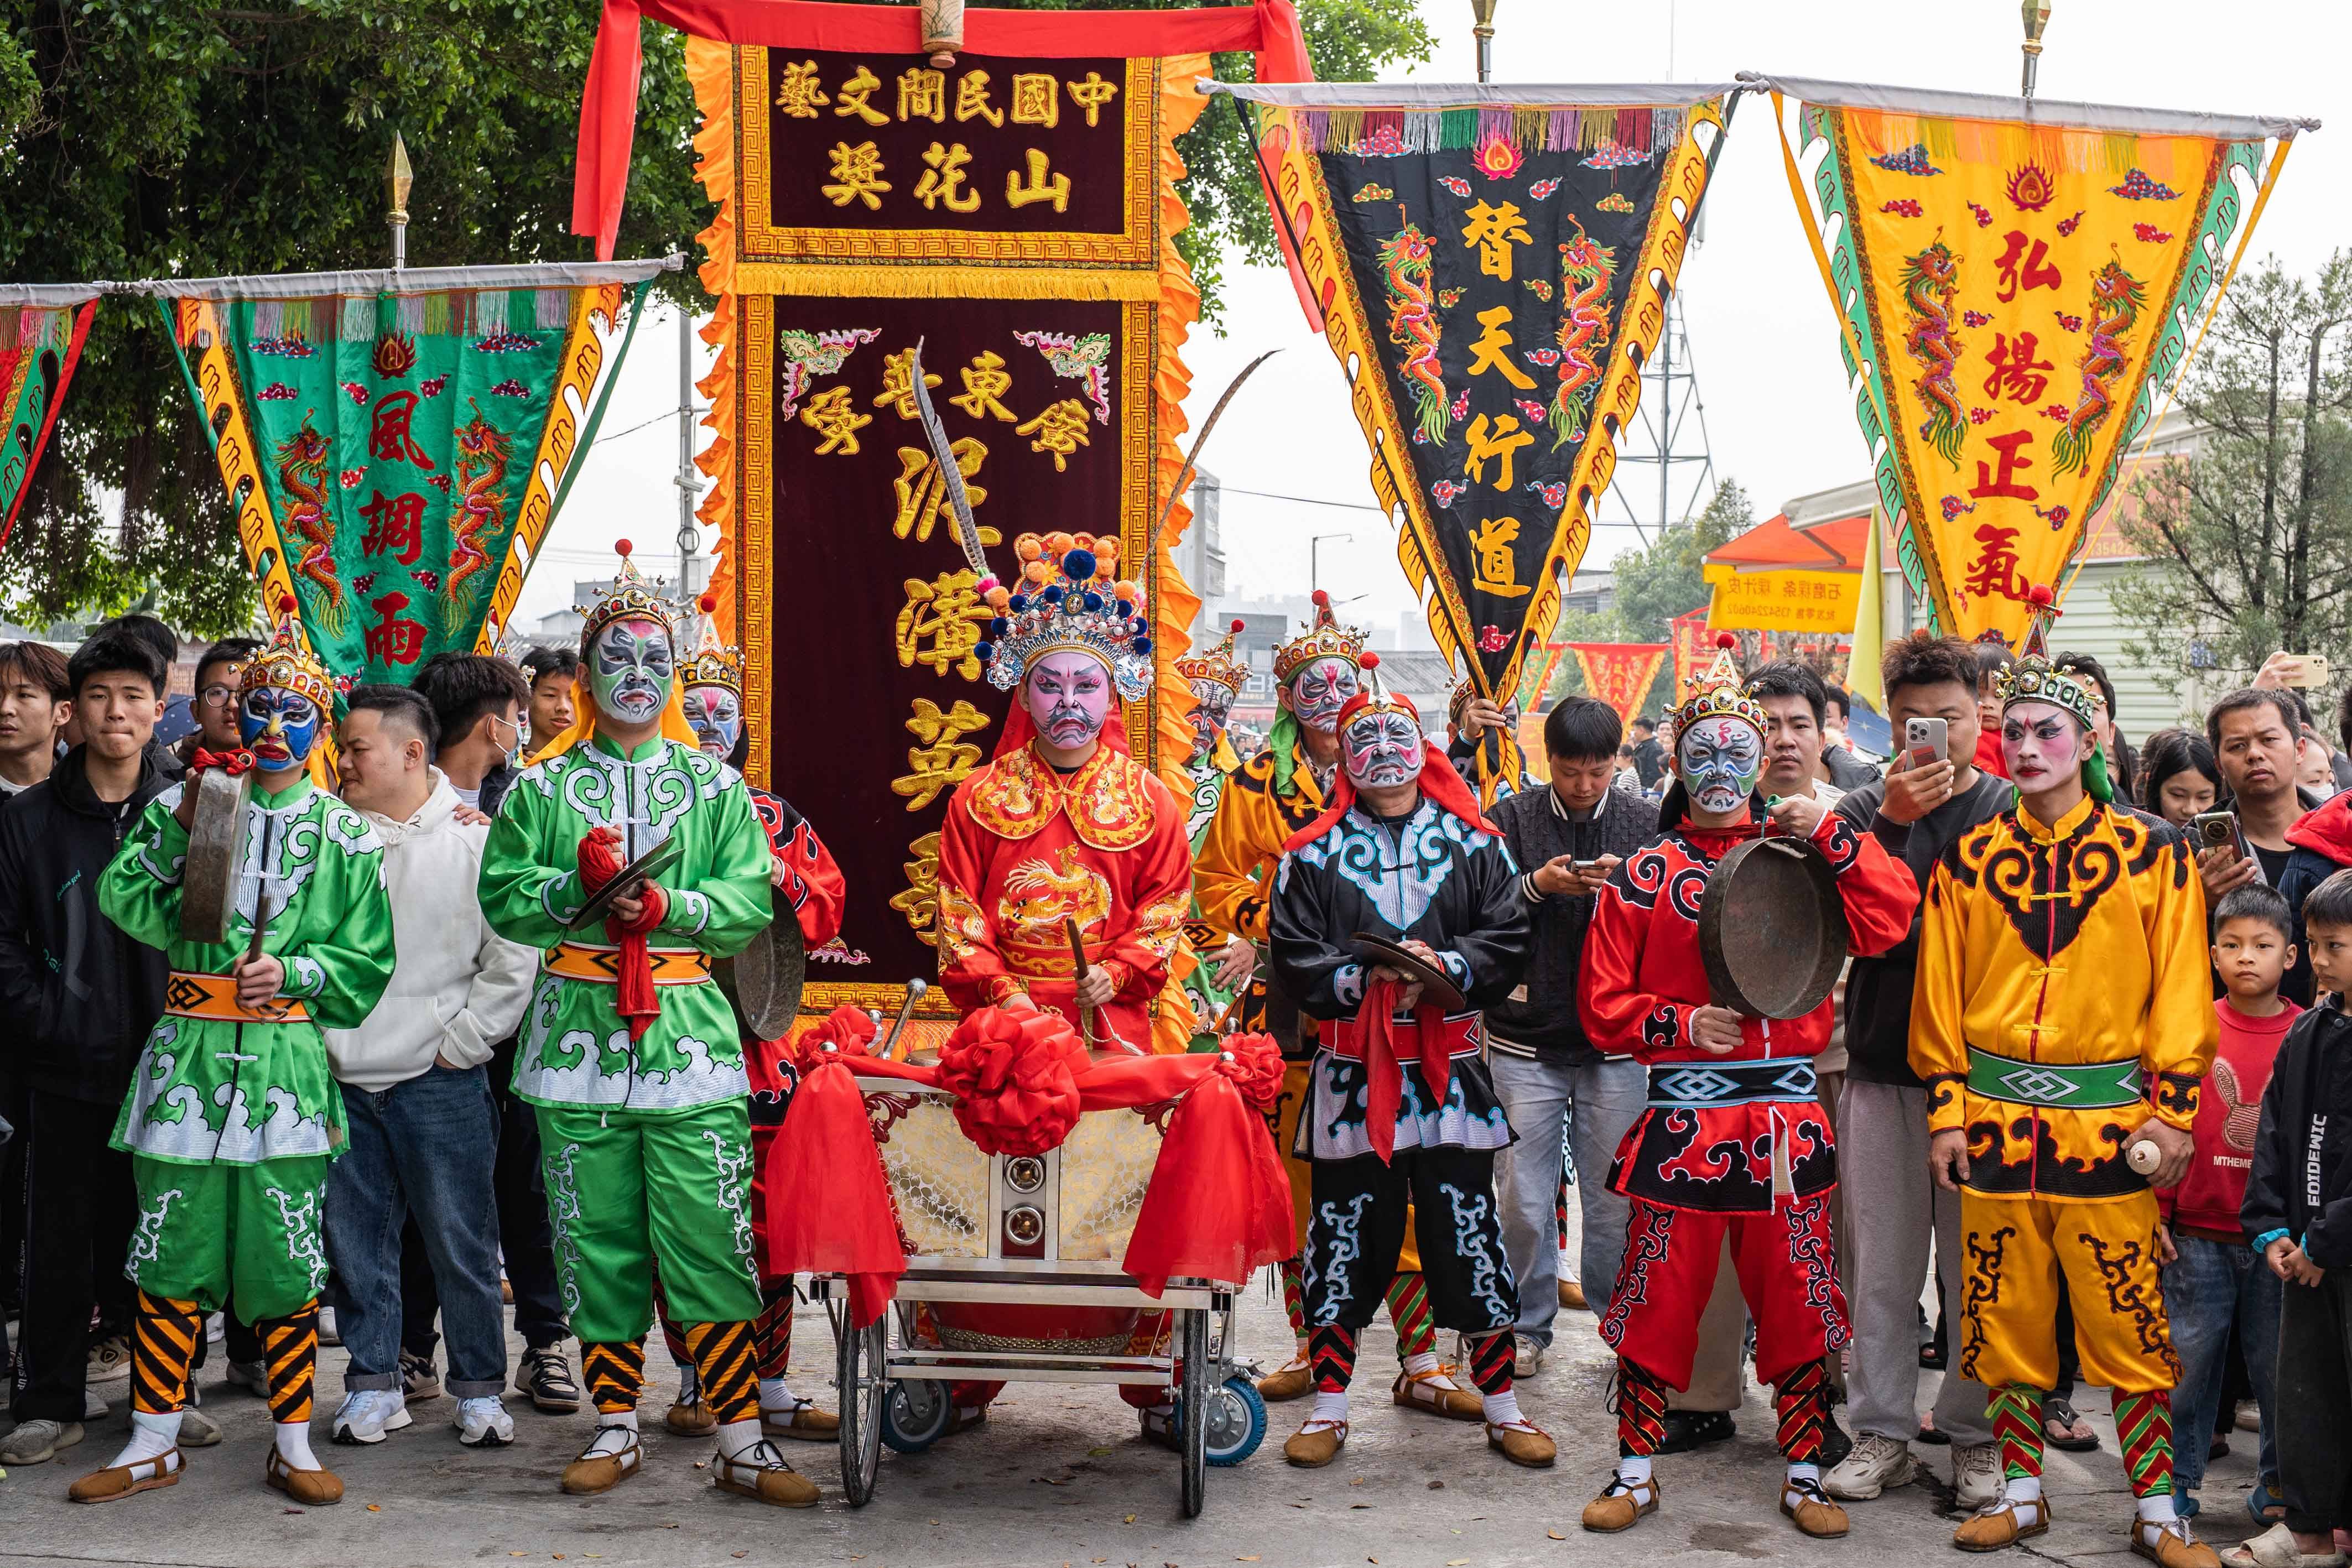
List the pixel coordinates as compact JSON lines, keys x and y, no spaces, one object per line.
{"x":915,"y":989}
{"x":1078,"y":958}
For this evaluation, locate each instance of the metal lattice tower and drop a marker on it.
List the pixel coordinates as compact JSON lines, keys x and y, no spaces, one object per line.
{"x":1665,"y":471}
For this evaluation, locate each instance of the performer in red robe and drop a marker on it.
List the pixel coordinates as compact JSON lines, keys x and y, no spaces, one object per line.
{"x":1734,"y":1141}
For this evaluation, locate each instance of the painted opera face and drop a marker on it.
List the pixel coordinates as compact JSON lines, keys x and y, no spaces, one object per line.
{"x":1381,"y":749}
{"x":279,"y":726}
{"x":1318,"y":691}
{"x":1069,"y":697}
{"x":1718,"y":761}
{"x":2041,"y":744}
{"x":1212,"y":705}
{"x":630,"y":668}
{"x":716,"y":716}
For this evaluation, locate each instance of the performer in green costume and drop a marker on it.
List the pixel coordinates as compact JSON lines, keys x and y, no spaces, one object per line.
{"x":232,"y":1114}
{"x":630,"y":1051}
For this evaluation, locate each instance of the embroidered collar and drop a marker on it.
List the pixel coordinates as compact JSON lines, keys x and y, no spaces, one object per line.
{"x":1107,"y":800}
{"x":2065,"y":827}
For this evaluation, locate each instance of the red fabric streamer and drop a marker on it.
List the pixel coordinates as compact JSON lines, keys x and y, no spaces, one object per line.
{"x":829,"y":1206}
{"x":636,"y":998}
{"x":845,"y":1031}
{"x":1376,"y":1027}
{"x":232,"y":763}
{"x":608,"y":102}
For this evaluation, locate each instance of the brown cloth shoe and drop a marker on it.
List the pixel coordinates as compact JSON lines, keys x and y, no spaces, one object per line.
{"x":759,"y":1472}
{"x":1571,"y":1296}
{"x":2169,"y":1545}
{"x":691,"y":1419}
{"x":1295,"y":1381}
{"x":1523,"y":1443}
{"x":1313,"y":1451}
{"x":118,"y":1481}
{"x":594,"y":1472}
{"x":1809,"y":1507}
{"x":804,"y":1421}
{"x":1619,"y":1506}
{"x":2004,"y":1522}
{"x":1419,"y":1391}
{"x":313,"y":1489}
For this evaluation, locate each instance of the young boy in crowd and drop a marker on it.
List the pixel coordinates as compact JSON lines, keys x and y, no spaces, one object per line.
{"x":2298,"y":1214}
{"x":2212,"y":1282}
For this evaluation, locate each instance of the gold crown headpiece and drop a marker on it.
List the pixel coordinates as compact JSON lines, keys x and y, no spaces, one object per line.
{"x":1716,"y":692}
{"x":1069,"y":596}
{"x":1324,"y":638}
{"x":286,"y":665}
{"x":631,"y":598}
{"x":1218,"y":665}
{"x":713,"y":663}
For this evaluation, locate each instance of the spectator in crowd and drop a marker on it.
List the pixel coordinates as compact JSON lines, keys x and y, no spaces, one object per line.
{"x":2120,"y":760}
{"x":1992,"y":660}
{"x":217,"y":674}
{"x":478,"y":701}
{"x":1839,"y":765}
{"x":2321,"y":839}
{"x":2214,"y":1285}
{"x":166,"y":644}
{"x":551,"y":673}
{"x":1794,"y":701}
{"x":2298,"y":1214}
{"x":1649,"y":757}
{"x":34,"y":703}
{"x":2178,"y":776}
{"x":422,"y":1121}
{"x":1917,"y":812}
{"x":2315,"y":766}
{"x":1569,"y":836}
{"x":2253,"y":734}
{"x":1629,"y":778}
{"x":80,"y":997}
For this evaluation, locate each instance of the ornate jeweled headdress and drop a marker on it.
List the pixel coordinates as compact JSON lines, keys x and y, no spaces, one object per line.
{"x":1066,"y":598}
{"x":631,"y":598}
{"x":713,"y":663}
{"x":1374,"y":694}
{"x":2034,"y":679}
{"x":1324,"y":638}
{"x":1218,"y":664}
{"x":1716,"y":692}
{"x":286,"y":665}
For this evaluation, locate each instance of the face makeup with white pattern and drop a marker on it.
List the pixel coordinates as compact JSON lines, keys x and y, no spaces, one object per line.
{"x":714,"y":714}
{"x":1381,"y":749}
{"x":1718,"y":761}
{"x":1318,"y":690}
{"x":630,"y":667}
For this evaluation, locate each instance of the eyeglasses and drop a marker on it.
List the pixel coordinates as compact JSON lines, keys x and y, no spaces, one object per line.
{"x":218,"y":696}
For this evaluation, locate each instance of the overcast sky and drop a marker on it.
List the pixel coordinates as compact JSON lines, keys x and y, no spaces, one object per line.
{"x":1761,"y":330}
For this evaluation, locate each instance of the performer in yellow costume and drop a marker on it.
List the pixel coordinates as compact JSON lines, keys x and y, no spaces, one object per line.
{"x":1274,"y":794}
{"x":2063,"y":1013}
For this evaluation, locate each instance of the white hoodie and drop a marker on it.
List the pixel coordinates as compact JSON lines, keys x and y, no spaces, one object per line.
{"x":457,"y":988}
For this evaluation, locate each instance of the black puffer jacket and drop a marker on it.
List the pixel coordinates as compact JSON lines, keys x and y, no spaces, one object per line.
{"x":80,"y":996}
{"x":2302,"y":1179}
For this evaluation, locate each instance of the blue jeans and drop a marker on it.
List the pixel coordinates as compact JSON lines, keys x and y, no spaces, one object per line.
{"x":425,"y":1146}
{"x":2210,"y":1286}
{"x":1601,"y":1100}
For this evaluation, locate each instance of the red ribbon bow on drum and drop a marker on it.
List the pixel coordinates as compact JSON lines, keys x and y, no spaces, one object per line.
{"x":233,"y":763}
{"x":1376,"y":1025}
{"x":635,"y":996}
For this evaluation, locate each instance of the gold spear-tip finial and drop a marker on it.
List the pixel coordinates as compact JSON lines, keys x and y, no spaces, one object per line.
{"x":401,"y":178}
{"x":2037,"y":17}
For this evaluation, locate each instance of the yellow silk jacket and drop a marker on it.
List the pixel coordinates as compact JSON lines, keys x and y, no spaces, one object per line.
{"x":1233,"y":864}
{"x":2044,"y":952}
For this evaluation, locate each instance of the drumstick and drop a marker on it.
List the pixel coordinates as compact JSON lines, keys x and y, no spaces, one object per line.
{"x":915,"y":989}
{"x":1078,"y":958}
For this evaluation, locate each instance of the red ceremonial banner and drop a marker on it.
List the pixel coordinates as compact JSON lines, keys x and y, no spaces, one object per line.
{"x":1693,"y":642}
{"x":1620,"y":674}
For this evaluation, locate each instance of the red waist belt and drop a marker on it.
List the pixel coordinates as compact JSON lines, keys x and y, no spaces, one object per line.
{"x":1374,"y":1038}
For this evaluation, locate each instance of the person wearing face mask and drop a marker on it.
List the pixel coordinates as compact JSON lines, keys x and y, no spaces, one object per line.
{"x":1400,"y":1104}
{"x":630,"y":1051}
{"x":1216,"y":678}
{"x":1734,"y":1143}
{"x":1277,"y":792}
{"x":232,"y":1111}
{"x":1064,"y":826}
{"x":2063,"y":1021}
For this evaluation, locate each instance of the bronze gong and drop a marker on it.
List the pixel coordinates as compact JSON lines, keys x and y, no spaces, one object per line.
{"x":1772,"y":928}
{"x":216,"y":851}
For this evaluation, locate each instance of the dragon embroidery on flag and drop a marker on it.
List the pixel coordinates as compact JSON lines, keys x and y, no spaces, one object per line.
{"x":1085,"y":359}
{"x":1931,"y":279}
{"x":1587,"y":268}
{"x":483,"y":453}
{"x":1405,"y":258}
{"x":805,"y":356}
{"x":302,"y":470}
{"x":2117,"y":300}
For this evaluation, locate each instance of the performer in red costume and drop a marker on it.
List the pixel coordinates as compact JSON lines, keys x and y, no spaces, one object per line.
{"x":1734,"y":1141}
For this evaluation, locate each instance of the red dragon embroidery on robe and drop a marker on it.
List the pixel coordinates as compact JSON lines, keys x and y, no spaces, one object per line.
{"x":303,"y":461}
{"x":483,"y":453}
{"x":1587,"y":269}
{"x":1405,"y":257}
{"x":2116,"y":300}
{"x":1931,"y":279}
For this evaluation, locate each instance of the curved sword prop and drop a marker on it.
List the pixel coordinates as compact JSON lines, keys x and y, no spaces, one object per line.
{"x":950,"y":477}
{"x":1193,"y":458}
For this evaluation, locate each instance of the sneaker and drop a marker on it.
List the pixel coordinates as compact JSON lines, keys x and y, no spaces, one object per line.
{"x":110,"y":1360}
{"x":1526,"y":1355}
{"x":483,"y":1423}
{"x":419,"y":1379}
{"x":198,"y":1430}
{"x":1976,"y":1475}
{"x":249,"y":1376}
{"x":327,"y":1332}
{"x":1875,"y":1464}
{"x":546,"y":1377}
{"x":93,"y":1408}
{"x":365,"y":1415}
{"x":37,"y":1442}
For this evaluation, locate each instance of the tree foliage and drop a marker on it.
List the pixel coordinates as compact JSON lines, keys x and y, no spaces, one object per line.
{"x":2248,"y":539}
{"x":150,"y":138}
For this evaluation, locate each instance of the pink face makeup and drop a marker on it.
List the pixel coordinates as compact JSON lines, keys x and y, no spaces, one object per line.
{"x":2041,"y":742}
{"x":1381,"y":750}
{"x":1319,"y":690}
{"x":1068,"y":695}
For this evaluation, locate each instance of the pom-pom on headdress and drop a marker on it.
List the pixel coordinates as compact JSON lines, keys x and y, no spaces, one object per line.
{"x":1066,"y":599}
{"x":1716,"y":692}
{"x":1218,"y":665}
{"x":2034,"y":679}
{"x":286,"y":665}
{"x":1374,"y":694}
{"x":1324,"y":638}
{"x":631,"y":598}
{"x":714,"y":663}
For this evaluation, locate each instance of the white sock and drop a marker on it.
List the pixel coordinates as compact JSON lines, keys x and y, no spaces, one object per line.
{"x":737,"y":1435}
{"x":2022,"y":1488}
{"x":2156,"y":1508}
{"x":1633,"y":1470}
{"x":150,"y":1436}
{"x":1502,"y":1410}
{"x":1798,"y":1472}
{"x":294,"y":1445}
{"x":1420,"y":1361}
{"x":625,"y":1418}
{"x":1330,"y":1407}
{"x":776,"y":1395}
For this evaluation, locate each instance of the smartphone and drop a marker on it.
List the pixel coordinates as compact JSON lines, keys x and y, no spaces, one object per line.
{"x":1926,"y":741}
{"x":2311,"y":670}
{"x":2216,"y":830}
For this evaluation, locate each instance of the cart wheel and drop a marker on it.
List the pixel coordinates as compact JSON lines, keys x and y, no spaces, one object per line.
{"x":1193,"y":1394}
{"x":863,"y":1353}
{"x":1236,"y":1422}
{"x":914,"y":1414}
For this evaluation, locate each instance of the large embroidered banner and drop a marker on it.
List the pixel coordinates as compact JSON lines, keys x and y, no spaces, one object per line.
{"x":1492,"y":266}
{"x":42,"y":330}
{"x":1620,"y":674}
{"x":1693,"y":641}
{"x":2016,"y":294}
{"x":1012,"y":215}
{"x":396,"y":444}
